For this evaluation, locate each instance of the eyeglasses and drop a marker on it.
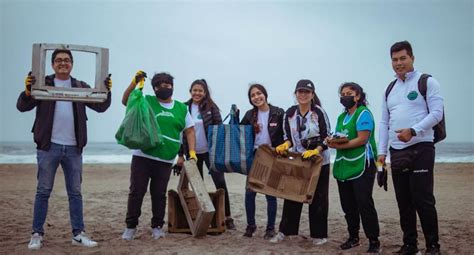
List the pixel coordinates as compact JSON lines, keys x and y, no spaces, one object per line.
{"x":62,"y":60}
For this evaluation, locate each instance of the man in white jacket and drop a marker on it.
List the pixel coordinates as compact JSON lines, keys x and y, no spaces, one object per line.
{"x":406,"y":128}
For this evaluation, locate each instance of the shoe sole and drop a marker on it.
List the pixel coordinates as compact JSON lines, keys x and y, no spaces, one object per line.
{"x":34,"y":248}
{"x":320,"y":243}
{"x":349,"y":247}
{"x":74,"y":242}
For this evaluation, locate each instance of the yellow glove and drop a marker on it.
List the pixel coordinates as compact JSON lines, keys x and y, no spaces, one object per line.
{"x":310,"y":153}
{"x":192,"y":155}
{"x":139,"y":79}
{"x":108,"y":82}
{"x":29,"y":81}
{"x":282,"y":148}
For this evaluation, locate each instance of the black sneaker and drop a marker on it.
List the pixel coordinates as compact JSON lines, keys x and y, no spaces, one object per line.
{"x":269,"y":233}
{"x":408,"y":249}
{"x":433,"y":250}
{"x":229,"y":224}
{"x":350,"y":243}
{"x":250,"y":230}
{"x":374,"y":246}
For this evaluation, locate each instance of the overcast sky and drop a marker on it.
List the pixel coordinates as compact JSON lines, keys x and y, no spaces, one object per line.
{"x":232,"y":44}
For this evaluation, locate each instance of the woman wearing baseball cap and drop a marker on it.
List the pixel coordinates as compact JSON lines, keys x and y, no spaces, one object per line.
{"x":306,"y":126}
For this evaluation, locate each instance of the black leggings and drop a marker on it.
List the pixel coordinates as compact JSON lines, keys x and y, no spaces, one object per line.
{"x":358,"y":204}
{"x":318,"y":210}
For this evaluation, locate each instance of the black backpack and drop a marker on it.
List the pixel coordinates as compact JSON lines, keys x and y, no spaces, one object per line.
{"x":440,"y":128}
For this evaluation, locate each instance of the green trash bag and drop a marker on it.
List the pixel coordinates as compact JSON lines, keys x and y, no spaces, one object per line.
{"x":139,"y":128}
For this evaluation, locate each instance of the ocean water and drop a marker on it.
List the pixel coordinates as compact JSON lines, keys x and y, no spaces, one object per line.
{"x":105,"y":153}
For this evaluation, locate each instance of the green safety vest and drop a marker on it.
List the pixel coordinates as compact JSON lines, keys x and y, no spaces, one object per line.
{"x":350,"y":163}
{"x":171,"y":122}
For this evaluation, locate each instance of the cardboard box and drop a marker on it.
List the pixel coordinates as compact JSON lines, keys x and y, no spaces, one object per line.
{"x":177,"y":222}
{"x":284,"y":177}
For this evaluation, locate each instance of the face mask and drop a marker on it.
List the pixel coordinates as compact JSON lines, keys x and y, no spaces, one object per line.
{"x":164,"y":93}
{"x":347,"y":101}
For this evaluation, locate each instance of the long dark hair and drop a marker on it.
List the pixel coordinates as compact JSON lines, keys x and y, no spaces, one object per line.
{"x":315,"y":100}
{"x":358,"y":90}
{"x":207,"y":102}
{"x":262,"y":89}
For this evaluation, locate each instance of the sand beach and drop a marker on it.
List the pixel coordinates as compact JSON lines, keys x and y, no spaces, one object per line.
{"x":105,"y":190}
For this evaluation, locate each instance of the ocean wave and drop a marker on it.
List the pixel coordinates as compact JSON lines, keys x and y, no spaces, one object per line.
{"x":87,"y":159}
{"x":127,"y":158}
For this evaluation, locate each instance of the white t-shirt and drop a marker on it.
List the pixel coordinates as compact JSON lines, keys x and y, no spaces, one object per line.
{"x":189,"y":123}
{"x":262,"y":137}
{"x":201,"y":139}
{"x":63,"y":123}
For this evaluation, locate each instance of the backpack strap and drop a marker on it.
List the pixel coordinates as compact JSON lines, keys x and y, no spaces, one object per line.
{"x":389,"y":88}
{"x":423,"y":84}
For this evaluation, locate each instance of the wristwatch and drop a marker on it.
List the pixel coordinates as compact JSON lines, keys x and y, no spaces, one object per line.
{"x":413,"y":132}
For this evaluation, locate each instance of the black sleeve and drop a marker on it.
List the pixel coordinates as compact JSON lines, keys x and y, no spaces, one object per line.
{"x":24,"y":103}
{"x":323,"y":128}
{"x":286,"y":128}
{"x":247,"y":118}
{"x":216,"y":116}
{"x":98,"y":107}
{"x":101,"y":107}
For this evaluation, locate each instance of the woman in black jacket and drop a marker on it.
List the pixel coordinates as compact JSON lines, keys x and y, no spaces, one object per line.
{"x":204,"y":113}
{"x":267,"y":122}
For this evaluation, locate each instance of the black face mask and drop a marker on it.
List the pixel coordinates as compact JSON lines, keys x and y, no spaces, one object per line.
{"x":164,"y":93}
{"x":347,"y":101}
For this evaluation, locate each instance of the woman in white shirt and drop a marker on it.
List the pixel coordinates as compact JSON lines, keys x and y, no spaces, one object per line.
{"x":267,"y":122}
{"x":205,"y":113}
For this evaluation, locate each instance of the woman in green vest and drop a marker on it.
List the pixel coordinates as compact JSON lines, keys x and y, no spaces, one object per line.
{"x":354,"y":167}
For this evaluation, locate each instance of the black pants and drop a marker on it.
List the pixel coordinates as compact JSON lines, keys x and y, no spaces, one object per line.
{"x":142,"y":170}
{"x":217,"y":178}
{"x":358,"y":204}
{"x":318,"y":210}
{"x":412,"y":174}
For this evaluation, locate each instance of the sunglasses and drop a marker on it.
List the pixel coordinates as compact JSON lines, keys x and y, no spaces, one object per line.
{"x":300,"y":124}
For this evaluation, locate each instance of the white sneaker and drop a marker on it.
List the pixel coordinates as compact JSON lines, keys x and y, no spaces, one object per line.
{"x":157,"y":233}
{"x":36,"y":242}
{"x":83,"y":240}
{"x":278,"y":238}
{"x":129,"y":234}
{"x":319,"y":241}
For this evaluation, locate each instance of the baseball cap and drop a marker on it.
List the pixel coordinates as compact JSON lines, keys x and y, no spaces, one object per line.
{"x":305,"y":84}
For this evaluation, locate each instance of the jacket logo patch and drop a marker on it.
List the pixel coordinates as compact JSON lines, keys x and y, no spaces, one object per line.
{"x":412,"y":95}
{"x":273,"y":124}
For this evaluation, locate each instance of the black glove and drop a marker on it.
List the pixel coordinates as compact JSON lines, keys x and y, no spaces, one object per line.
{"x":176,"y":170}
{"x":382,"y":178}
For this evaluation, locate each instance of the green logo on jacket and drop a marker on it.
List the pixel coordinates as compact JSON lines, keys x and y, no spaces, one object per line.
{"x":412,"y":95}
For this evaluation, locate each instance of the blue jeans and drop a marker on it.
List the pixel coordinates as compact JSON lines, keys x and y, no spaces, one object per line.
{"x":250,"y":208}
{"x":70,"y":158}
